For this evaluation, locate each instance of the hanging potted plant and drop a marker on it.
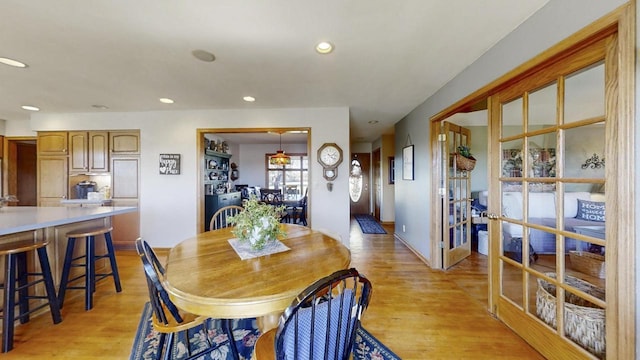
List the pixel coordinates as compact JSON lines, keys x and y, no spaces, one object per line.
{"x":464,"y":159}
{"x":259,"y":223}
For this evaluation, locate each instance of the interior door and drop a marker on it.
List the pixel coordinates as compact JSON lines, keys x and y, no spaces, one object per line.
{"x":456,"y":237}
{"x":359,"y":184}
{"x":548,"y":143}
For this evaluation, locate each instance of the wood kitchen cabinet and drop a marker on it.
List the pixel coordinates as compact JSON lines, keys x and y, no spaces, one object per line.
{"x":52,"y":180}
{"x":88,"y":151}
{"x":124,"y":142}
{"x":52,"y":143}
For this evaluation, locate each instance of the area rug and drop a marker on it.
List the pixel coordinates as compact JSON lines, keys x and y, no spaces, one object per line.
{"x":146,"y":342}
{"x":369,"y":224}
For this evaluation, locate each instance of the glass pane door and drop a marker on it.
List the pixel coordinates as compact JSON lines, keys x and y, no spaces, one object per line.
{"x":551,"y":265}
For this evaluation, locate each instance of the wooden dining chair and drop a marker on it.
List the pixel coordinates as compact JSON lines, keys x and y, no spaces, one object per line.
{"x":182,"y":335}
{"x":321,"y":322}
{"x":219,"y":218}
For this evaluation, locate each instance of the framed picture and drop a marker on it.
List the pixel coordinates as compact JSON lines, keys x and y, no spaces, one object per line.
{"x":169,"y":164}
{"x":392,"y":170}
{"x":407,"y":162}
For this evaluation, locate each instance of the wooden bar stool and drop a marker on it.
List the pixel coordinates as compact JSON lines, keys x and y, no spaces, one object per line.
{"x":16,"y":279}
{"x":90,"y":257}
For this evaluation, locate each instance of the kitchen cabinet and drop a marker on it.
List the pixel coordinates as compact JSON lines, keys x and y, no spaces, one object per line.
{"x":125,"y":142}
{"x":52,"y":180}
{"x":213,"y":203}
{"x":51,"y":143}
{"x":125,"y":172}
{"x":126,"y":227}
{"x":88,"y":151}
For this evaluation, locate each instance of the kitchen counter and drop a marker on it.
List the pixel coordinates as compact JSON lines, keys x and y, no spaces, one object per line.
{"x":83,"y":202}
{"x":15,"y":219}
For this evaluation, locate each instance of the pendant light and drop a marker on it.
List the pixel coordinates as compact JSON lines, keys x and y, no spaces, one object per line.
{"x":280,"y":158}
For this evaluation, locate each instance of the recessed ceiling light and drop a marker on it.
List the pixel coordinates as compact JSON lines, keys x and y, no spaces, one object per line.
{"x":166,"y":101}
{"x":101,"y":107}
{"x":249,"y":99}
{"x":30,"y":107}
{"x":324,"y":47}
{"x":373,"y":121}
{"x":11,"y":62}
{"x":203,"y":55}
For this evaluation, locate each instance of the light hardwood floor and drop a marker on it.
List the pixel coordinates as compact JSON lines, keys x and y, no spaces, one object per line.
{"x":419,"y":313}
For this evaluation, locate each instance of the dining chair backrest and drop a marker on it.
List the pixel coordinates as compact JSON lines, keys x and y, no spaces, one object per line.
{"x":154,"y":273}
{"x":321,"y":323}
{"x":219,"y":218}
{"x":271,"y":197}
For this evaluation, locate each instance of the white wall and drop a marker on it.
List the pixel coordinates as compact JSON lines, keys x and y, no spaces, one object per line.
{"x":168,"y":204}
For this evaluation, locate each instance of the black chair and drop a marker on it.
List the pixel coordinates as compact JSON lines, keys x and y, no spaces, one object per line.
{"x":16,"y":281}
{"x":173,"y":325}
{"x":219,"y":218}
{"x":298,"y":213}
{"x":321,"y":323}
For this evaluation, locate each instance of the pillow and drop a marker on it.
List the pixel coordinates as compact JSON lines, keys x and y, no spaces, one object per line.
{"x":590,"y":210}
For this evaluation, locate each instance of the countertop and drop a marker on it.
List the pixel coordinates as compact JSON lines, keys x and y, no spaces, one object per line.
{"x":14,"y":219}
{"x":82,"y":202}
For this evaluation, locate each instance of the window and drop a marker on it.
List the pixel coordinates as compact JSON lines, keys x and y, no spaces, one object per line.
{"x":292,"y":178}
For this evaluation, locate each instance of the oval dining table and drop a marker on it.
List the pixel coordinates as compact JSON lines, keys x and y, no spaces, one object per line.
{"x":205,"y":276}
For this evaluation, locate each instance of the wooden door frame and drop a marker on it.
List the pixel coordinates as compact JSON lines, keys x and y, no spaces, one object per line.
{"x":621,"y":314}
{"x":376,"y":180}
{"x":200,"y":145}
{"x":9,"y":163}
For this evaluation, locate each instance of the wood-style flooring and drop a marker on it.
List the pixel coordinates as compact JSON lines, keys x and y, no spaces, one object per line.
{"x":417,"y":312}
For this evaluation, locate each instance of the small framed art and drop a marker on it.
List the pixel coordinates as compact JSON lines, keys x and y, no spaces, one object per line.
{"x":169,"y":164}
{"x":407,"y":162}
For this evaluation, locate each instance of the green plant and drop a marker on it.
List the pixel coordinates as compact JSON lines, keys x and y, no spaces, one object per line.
{"x":465,"y":151}
{"x":259,"y":223}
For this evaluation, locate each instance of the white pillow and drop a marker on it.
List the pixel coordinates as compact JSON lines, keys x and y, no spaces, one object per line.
{"x":542,"y":205}
{"x":512,"y":205}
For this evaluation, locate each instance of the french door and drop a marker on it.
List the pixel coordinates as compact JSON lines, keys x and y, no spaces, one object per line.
{"x":456,"y":206}
{"x":552,"y":238}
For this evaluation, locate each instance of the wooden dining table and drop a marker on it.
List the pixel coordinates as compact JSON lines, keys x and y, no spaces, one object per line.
{"x":205,"y":276}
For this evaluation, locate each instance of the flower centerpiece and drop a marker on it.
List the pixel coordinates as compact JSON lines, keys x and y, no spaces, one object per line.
{"x":258,"y":224}
{"x":464,"y":159}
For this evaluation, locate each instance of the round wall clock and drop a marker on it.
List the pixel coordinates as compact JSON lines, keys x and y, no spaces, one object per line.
{"x":330,"y":156}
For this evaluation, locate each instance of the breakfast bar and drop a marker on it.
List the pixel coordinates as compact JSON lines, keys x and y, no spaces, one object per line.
{"x":24,"y":223}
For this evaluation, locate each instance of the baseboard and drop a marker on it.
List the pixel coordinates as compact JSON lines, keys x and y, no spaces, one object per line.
{"x":422,"y":258}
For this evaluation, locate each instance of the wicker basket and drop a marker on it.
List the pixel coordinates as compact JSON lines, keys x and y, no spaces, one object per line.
{"x":588,"y":263}
{"x":464,"y":163}
{"x":584,"y":322}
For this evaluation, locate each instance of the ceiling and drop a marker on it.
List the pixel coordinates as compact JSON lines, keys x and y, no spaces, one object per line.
{"x":389,"y":55}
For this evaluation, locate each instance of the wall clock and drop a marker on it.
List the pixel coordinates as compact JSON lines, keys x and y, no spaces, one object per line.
{"x":330,"y":156}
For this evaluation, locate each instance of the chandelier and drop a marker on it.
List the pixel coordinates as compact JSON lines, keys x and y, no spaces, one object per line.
{"x":280,"y":158}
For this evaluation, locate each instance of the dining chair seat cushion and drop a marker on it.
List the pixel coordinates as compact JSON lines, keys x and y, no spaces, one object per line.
{"x":340,"y":316}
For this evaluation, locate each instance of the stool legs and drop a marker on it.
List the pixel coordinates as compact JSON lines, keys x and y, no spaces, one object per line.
{"x":68,"y":258}
{"x":89,"y":267}
{"x":9,"y":301}
{"x":15,"y":270}
{"x":112,"y":259}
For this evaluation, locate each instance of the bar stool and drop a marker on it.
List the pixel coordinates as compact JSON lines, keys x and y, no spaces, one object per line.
{"x":16,"y":272}
{"x":90,"y":257}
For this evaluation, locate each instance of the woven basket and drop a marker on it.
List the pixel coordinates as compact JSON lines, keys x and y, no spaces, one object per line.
{"x":464,"y":163}
{"x":588,"y":263}
{"x":584,"y":322}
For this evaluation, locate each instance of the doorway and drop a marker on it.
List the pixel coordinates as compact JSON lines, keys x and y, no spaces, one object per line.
{"x":21,"y":170}
{"x":360,"y":197}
